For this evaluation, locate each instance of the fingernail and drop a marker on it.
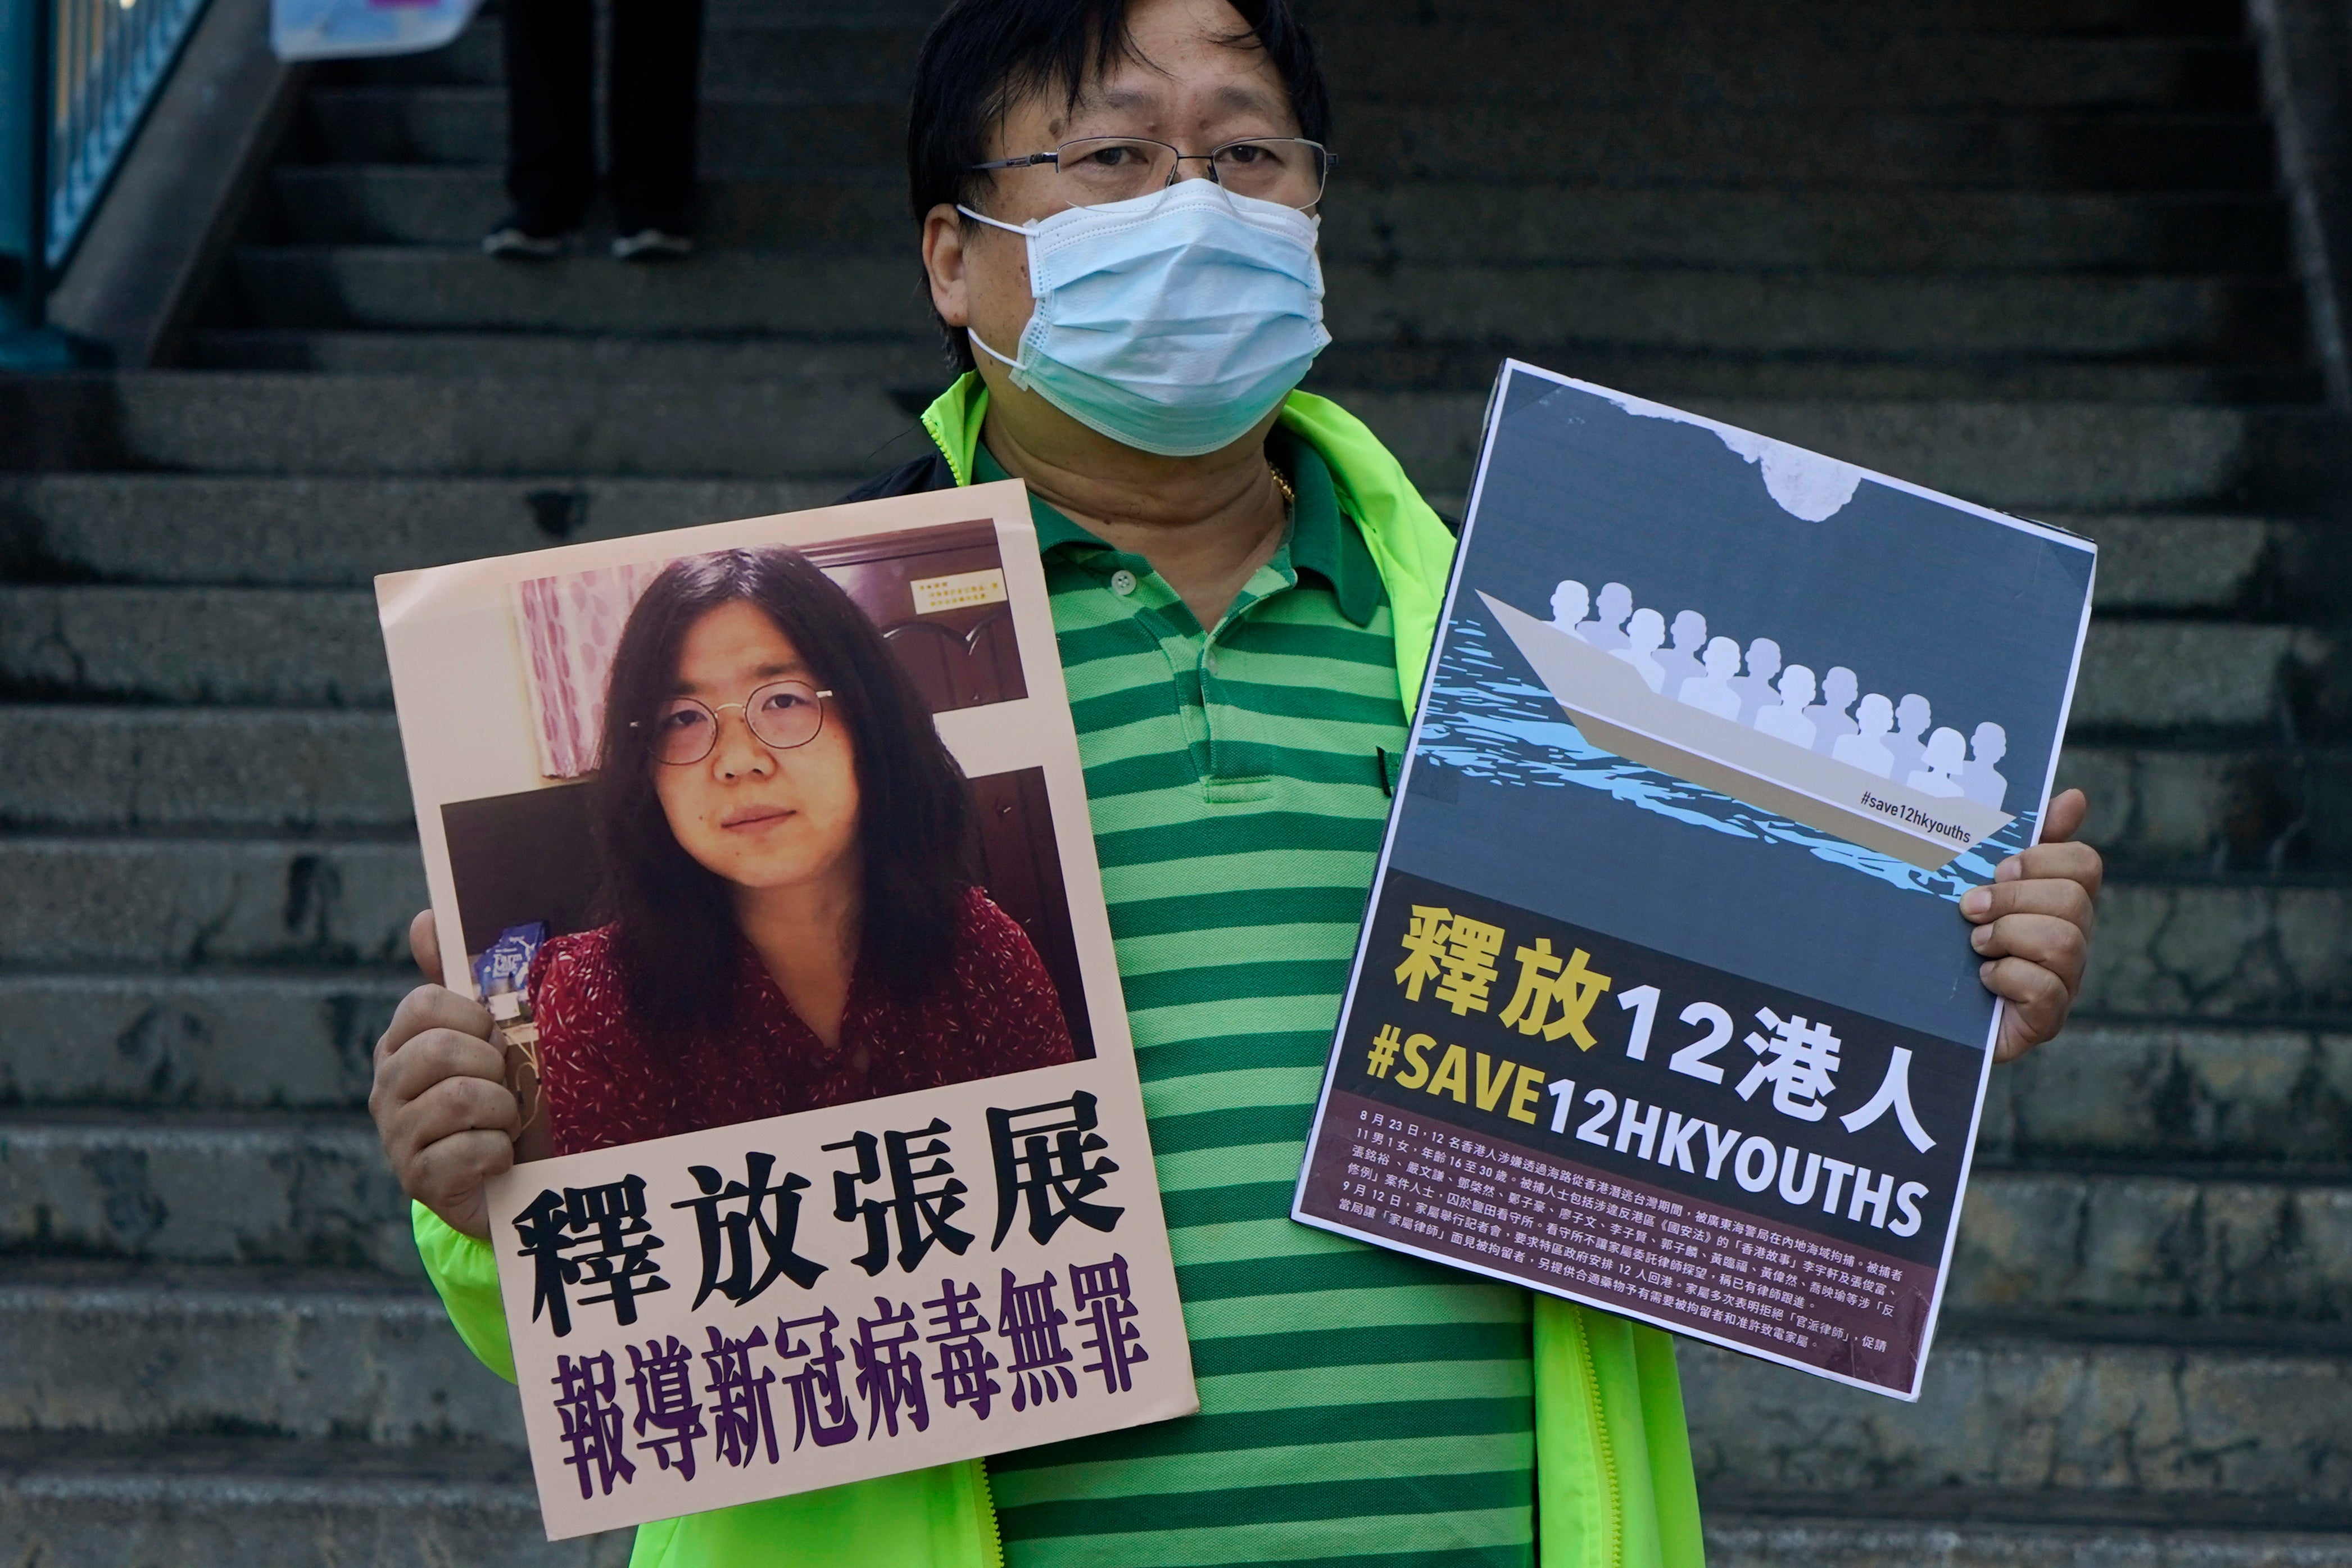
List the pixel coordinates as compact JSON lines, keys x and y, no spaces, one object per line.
{"x":2009,"y":871}
{"x":1978,"y":937}
{"x":1975,"y":902}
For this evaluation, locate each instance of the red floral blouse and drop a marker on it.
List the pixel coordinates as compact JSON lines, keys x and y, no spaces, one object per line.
{"x":608,"y":1083}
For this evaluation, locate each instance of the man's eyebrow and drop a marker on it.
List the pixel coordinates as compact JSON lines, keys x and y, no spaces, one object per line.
{"x":1098,"y":100}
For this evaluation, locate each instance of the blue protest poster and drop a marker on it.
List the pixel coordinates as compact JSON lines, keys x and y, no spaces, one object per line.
{"x":1663,"y":1001}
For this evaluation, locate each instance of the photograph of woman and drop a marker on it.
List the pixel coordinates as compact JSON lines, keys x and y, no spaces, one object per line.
{"x":785,"y":844}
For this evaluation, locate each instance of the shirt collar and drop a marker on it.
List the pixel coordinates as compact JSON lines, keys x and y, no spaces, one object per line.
{"x":1323,"y":539}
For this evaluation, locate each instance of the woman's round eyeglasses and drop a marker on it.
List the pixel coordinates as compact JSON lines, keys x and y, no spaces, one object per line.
{"x":1097,"y":170}
{"x":781,"y":715}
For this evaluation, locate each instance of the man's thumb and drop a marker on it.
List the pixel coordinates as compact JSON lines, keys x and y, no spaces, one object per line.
{"x":424,"y":946}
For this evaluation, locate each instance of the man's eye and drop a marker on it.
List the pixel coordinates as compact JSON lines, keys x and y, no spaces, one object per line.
{"x":679,"y":719}
{"x":1245,"y":154}
{"x":782,"y":702}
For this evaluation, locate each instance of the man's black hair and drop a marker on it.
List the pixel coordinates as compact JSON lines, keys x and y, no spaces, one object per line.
{"x":982,"y":55}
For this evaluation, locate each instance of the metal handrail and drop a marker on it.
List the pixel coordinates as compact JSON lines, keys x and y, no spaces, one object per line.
{"x":77,"y":79}
{"x":108,"y":59}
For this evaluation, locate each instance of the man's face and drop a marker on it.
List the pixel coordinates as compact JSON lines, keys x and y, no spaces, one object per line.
{"x":1188,"y":89}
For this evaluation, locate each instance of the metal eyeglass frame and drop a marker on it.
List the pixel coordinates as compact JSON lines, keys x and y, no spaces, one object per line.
{"x":1031,"y":160}
{"x":744,"y":708}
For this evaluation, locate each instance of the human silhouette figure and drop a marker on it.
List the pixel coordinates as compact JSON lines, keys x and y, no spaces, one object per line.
{"x":1755,"y":688}
{"x":1910,"y":734}
{"x":1570,"y":603}
{"x":1787,"y":719}
{"x":1864,"y":749}
{"x":1938,"y":763}
{"x":1979,"y":781}
{"x":1608,"y":633}
{"x":1711,"y":692}
{"x":1682,"y":661}
{"x":1828,"y":716}
{"x":1647,"y":629}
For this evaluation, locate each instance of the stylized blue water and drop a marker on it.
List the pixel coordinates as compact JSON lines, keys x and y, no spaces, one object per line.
{"x":1489,"y":718}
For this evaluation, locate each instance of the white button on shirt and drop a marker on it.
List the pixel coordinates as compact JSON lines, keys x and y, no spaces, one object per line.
{"x":1122,"y":581}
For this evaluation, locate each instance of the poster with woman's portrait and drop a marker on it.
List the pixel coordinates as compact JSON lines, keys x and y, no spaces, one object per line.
{"x":766,"y":846}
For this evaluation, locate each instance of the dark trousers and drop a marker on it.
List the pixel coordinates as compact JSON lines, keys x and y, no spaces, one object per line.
{"x":656,"y":49}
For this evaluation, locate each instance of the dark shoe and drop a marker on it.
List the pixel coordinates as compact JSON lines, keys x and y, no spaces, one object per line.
{"x":513,"y":241}
{"x":651,"y":245}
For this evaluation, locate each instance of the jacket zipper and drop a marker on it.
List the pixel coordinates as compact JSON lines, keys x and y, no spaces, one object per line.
{"x":993,"y":1541}
{"x":1600,"y":1444}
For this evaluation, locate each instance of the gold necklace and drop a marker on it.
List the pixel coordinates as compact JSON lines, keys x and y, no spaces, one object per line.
{"x":1289,"y":496}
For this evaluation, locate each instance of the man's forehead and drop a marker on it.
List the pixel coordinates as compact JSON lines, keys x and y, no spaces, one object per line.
{"x":1141,"y":92}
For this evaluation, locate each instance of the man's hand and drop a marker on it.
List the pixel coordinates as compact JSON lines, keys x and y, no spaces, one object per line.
{"x":441,"y":1103}
{"x":2034,"y":928}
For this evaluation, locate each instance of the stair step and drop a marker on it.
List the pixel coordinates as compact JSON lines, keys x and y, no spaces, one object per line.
{"x":857,"y":61}
{"x":342,"y":532}
{"x":254,"y":530}
{"x":913,"y":363}
{"x":2033,"y":458}
{"x":225,"y":1041}
{"x":201,"y":769}
{"x":103,"y":1502}
{"x":218,"y":1186}
{"x":2183,"y":1090}
{"x":115,"y":903}
{"x":1581,"y":57}
{"x":267,"y":1352}
{"x":1771,"y":19}
{"x":2205,"y":949}
{"x":107,"y":1502}
{"x":2170,"y":675}
{"x":2096,"y":1405}
{"x":185,"y":529}
{"x":296,"y":531}
{"x":211,"y":1187}
{"x":750,"y":134}
{"x":322,"y":648}
{"x":273,"y":424}
{"x":1951,"y":1528}
{"x":2109,"y":1090}
{"x":239,"y":645}
{"x":2275,"y":809}
{"x":2240,"y":949}
{"x":2114,"y":1409}
{"x":171,"y":769}
{"x":1585,"y":58}
{"x":1539,"y":310}
{"x":1929,"y":232}
{"x":2170,"y":561}
{"x":2120,"y":1240}
{"x":915,"y":366}
{"x":2026,"y":457}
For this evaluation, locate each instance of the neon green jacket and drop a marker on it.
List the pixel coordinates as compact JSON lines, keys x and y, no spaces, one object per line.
{"x":1613,"y":1482}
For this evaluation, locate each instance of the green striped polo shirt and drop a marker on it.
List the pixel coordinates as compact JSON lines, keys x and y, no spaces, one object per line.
{"x":1355,"y":1404}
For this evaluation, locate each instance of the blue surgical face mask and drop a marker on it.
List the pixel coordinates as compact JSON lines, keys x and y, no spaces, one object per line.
{"x":1170,"y":322}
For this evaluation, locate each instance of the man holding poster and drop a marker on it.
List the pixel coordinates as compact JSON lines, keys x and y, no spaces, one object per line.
{"x":1119,"y":206}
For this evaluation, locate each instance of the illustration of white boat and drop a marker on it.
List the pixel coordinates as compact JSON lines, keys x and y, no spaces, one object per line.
{"x":1614,"y":708}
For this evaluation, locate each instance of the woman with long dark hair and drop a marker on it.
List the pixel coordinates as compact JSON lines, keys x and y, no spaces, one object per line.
{"x":784,"y":838}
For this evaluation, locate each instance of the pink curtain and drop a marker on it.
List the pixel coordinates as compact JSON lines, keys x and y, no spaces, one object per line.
{"x":571,"y":626}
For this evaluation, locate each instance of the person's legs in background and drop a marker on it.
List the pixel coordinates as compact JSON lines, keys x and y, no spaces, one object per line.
{"x":656,"y":66}
{"x":550,"y":61}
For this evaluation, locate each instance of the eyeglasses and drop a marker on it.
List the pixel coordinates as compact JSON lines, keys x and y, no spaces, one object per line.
{"x":1097,"y":170}
{"x":781,"y":715}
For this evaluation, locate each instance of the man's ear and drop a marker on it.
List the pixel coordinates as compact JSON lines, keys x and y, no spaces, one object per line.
{"x":943,"y":259}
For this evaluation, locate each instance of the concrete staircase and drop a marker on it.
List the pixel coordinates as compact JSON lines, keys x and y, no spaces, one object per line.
{"x":2030,"y":254}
